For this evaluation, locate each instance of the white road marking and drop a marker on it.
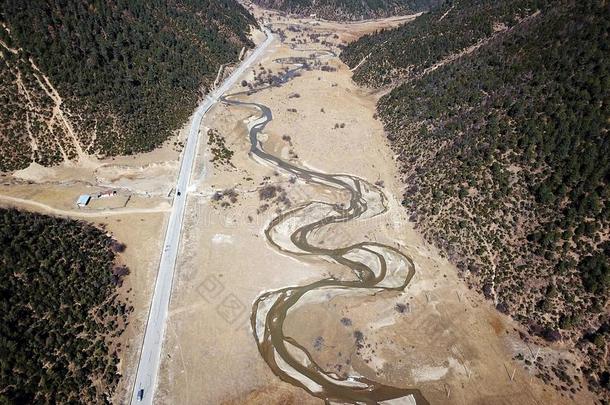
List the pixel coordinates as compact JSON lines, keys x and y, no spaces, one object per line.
{"x":148,"y":367}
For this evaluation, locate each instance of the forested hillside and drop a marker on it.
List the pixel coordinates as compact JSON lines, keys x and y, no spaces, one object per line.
{"x":349,"y":9}
{"x":409,"y":50}
{"x":504,"y":151}
{"x":106,"y":77}
{"x":61,"y":316}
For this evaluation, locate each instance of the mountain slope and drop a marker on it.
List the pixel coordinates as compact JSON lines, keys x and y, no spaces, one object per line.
{"x":349,"y":9}
{"x":61,"y":315}
{"x":107,"y":78}
{"x":407,"y":51}
{"x":502,"y":138}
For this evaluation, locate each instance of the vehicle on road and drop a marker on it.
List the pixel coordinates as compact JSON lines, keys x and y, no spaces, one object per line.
{"x":150,"y":355}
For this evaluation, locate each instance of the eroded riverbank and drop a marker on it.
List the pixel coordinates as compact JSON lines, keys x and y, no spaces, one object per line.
{"x":433,"y":338}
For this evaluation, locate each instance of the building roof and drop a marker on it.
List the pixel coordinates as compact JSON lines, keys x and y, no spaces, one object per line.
{"x":83,"y":199}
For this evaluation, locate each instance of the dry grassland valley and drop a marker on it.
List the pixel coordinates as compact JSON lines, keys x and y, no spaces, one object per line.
{"x":392,"y":202}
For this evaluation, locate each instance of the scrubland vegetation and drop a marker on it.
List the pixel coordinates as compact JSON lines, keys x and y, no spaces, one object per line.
{"x":349,"y":9}
{"x":61,"y":313}
{"x":500,"y":121}
{"x":122,"y":75}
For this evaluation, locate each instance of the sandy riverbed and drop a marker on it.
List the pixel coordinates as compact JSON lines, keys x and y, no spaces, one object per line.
{"x":436,"y":336}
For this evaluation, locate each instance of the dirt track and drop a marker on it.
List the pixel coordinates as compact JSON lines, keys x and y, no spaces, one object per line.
{"x":436,"y":336}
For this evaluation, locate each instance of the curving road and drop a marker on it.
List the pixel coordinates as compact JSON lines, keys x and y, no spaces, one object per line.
{"x":148,"y":366}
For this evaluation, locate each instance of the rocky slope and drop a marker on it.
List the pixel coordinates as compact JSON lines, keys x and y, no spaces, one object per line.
{"x":499,"y":119}
{"x":107,"y":78}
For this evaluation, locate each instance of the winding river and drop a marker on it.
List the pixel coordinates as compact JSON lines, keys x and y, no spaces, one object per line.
{"x":375,"y":267}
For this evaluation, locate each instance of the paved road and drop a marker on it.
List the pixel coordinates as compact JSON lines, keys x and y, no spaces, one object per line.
{"x":148,"y":366}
